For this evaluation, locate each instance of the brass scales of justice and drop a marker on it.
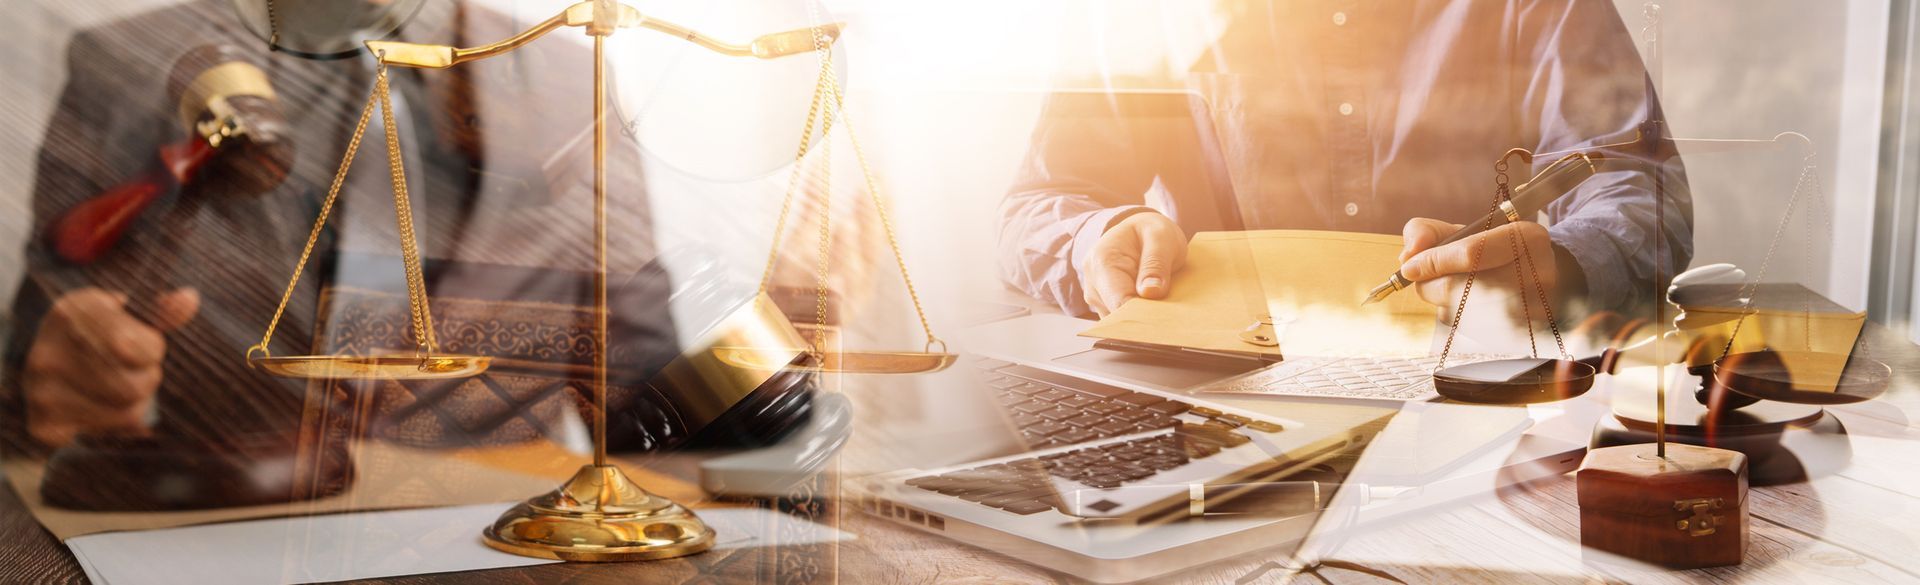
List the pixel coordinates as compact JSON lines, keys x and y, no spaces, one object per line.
{"x":600,"y":514}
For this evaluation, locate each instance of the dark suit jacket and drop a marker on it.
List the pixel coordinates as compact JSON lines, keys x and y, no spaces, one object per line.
{"x":500,"y":171}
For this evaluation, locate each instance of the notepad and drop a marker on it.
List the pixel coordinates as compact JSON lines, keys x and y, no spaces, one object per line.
{"x":1309,"y":282}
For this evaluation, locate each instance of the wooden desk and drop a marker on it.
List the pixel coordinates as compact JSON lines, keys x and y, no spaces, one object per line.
{"x":1856,"y":525}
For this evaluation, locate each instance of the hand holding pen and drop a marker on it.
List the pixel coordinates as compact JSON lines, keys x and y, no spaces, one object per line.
{"x":1436,"y":249}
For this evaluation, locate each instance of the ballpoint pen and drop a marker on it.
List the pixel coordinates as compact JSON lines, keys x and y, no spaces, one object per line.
{"x":1528,"y":199}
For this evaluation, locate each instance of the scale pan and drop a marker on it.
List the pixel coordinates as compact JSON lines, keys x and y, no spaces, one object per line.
{"x":1803,"y":377}
{"x":1515,"y":381}
{"x":852,"y":362}
{"x":388,"y":367}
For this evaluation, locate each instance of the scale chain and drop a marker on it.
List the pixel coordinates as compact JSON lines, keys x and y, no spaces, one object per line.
{"x":837,"y":92}
{"x":416,"y":289}
{"x":1807,"y":184}
{"x":824,"y":255}
{"x":829,"y":99}
{"x":793,"y":180}
{"x":1520,"y":277}
{"x":1540,"y":289}
{"x":1473,"y":265}
{"x":403,"y":215}
{"x":326,"y":210}
{"x":1502,"y":194}
{"x":886,"y":222}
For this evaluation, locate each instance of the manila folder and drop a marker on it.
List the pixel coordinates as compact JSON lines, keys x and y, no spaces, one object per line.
{"x":1309,"y":282}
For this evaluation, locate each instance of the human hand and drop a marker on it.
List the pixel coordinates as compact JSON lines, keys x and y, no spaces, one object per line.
{"x":1133,"y":258}
{"x":1436,"y":271}
{"x":94,"y":367}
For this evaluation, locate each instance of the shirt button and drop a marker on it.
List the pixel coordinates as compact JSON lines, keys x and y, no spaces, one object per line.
{"x":1353,"y":209}
{"x":1346,"y":109}
{"x":1339,"y":19}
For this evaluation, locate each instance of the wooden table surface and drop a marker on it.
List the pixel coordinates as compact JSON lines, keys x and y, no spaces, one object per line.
{"x":1859,"y":524}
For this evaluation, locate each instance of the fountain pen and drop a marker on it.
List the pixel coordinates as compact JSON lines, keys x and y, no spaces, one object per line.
{"x":1528,"y":199}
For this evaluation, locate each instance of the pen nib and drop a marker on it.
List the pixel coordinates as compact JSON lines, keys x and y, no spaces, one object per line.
{"x":1375,"y":295}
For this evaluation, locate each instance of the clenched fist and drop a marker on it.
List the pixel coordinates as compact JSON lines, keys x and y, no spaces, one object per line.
{"x":94,"y":367}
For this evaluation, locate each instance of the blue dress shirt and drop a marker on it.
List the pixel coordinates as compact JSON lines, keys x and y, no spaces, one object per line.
{"x":1357,"y":115}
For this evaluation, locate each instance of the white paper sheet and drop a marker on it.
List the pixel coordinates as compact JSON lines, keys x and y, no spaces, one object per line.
{"x":366,"y":545}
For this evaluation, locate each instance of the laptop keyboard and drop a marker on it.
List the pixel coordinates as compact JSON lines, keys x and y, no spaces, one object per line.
{"x":1022,"y":486}
{"x":1052,"y":415}
{"x":1385,"y":378}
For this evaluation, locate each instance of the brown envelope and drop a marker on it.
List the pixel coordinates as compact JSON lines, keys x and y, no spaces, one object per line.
{"x":1310,"y":282}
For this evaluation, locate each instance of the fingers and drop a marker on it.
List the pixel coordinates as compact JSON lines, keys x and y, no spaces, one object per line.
{"x":93,"y":366}
{"x":1439,"y":292}
{"x":1135,"y":258}
{"x":56,"y":413}
{"x":1106,"y":266}
{"x":1438,"y":272}
{"x":1109,"y":277}
{"x":97,"y":323}
{"x":175,"y":309}
{"x":1110,"y":285}
{"x":1458,"y":257}
{"x":1162,"y":250}
{"x":1421,"y":233}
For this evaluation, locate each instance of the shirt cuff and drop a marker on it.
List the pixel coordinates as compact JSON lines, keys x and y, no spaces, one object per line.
{"x":1600,"y":262}
{"x":1092,"y":226}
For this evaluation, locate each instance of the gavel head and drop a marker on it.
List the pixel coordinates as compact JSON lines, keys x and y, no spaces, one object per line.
{"x":223,"y":98}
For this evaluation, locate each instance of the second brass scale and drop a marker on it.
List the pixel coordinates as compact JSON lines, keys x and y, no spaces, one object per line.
{"x":600,"y":514}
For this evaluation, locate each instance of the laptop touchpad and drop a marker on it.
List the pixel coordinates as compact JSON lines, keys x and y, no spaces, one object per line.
{"x":1175,"y":373}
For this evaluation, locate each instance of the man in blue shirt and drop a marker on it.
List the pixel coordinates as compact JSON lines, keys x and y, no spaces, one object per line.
{"x":1382,"y":117}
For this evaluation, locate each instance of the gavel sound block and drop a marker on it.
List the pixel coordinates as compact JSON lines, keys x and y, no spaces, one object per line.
{"x":1687,"y":510}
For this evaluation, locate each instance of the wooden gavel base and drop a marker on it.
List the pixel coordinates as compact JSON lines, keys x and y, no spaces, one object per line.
{"x":103,"y":474}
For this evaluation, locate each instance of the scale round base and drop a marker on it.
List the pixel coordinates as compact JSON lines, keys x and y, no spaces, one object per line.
{"x":387,"y":367}
{"x":599,"y":516}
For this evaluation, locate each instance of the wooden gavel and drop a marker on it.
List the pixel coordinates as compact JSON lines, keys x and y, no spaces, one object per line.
{"x":228,"y":109}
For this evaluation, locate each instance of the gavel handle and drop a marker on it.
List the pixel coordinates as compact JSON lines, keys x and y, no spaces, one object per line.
{"x":88,"y":230}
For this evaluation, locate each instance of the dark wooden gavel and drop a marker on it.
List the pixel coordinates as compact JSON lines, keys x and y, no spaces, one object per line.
{"x":234,"y":134}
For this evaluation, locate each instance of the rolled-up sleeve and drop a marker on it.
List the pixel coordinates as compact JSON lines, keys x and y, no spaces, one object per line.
{"x":1084,"y":172}
{"x":1585,"y":88}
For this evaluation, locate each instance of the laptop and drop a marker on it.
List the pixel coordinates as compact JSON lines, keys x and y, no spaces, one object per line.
{"x":1060,"y":448}
{"x":1077,"y":507}
{"x":1423,"y":442}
